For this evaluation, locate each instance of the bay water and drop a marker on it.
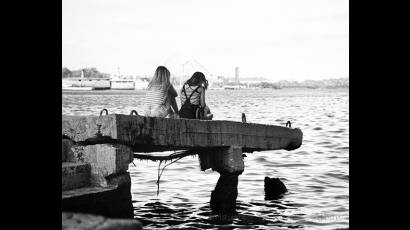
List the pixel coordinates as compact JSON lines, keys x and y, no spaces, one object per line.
{"x":316,"y":174}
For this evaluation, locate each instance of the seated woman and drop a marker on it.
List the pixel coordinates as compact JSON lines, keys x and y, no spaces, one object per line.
{"x":160,"y":97}
{"x":193,"y":97}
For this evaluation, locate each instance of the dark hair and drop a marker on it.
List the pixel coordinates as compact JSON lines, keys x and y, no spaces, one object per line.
{"x":197,"y":78}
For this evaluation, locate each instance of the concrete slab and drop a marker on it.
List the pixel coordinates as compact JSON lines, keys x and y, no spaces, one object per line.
{"x":151,"y":134}
{"x":75,"y":175}
{"x":82,"y":221}
{"x":114,"y":200}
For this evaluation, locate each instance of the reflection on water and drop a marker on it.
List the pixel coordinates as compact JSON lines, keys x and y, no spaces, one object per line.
{"x":316,"y":174}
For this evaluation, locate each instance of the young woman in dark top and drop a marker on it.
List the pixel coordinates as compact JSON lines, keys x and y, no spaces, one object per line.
{"x":193,"y":96}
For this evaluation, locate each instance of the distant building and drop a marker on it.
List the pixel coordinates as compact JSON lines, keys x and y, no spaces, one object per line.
{"x":236,"y":74}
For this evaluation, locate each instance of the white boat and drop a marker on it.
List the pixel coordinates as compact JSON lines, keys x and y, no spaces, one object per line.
{"x":123,"y":84}
{"x":77,"y":88}
{"x":83,"y":83}
{"x":232,"y":87}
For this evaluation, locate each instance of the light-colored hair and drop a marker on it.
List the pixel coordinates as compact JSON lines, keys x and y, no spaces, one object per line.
{"x":160,"y":80}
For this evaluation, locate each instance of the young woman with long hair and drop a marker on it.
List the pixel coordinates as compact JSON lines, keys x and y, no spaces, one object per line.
{"x":160,"y":96}
{"x":193,"y":96}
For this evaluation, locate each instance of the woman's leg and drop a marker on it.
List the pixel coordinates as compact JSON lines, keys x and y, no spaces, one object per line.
{"x":160,"y":111}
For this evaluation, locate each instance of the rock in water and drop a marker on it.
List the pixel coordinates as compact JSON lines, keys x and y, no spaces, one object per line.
{"x":274,"y":188}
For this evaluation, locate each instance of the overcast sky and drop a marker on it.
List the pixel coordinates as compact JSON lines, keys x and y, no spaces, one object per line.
{"x":275,"y":39}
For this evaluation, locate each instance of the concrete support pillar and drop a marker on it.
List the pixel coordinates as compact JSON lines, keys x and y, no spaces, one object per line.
{"x":107,"y":161}
{"x":223,"y":197}
{"x":227,"y":159}
{"x":229,"y":163}
{"x":108,"y":192}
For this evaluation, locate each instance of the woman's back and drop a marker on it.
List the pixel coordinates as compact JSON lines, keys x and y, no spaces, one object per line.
{"x":196,"y":96}
{"x":156,"y":97}
{"x":156,"y":102}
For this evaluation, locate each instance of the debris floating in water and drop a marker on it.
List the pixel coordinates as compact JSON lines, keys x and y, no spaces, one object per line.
{"x":172,"y":156}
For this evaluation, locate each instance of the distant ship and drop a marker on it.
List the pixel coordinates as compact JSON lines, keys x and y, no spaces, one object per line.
{"x":233,"y":87}
{"x":75,"y":88}
{"x":83,"y":83}
{"x":123,"y":84}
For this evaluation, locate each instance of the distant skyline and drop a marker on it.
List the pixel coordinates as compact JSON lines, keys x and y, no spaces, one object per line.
{"x":275,"y":39}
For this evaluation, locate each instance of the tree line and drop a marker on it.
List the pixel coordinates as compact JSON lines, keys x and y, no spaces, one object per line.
{"x":88,"y":73}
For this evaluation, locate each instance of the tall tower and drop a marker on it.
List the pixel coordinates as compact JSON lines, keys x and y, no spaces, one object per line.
{"x":236,"y":74}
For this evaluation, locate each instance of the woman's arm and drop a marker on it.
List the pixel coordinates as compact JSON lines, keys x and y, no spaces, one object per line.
{"x":203,"y":98}
{"x":174,"y":105}
{"x":172,"y":91}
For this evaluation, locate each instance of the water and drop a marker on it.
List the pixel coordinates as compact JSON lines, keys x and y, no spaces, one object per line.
{"x":316,"y":174}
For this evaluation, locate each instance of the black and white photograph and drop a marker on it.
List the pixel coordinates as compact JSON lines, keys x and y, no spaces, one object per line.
{"x":205,"y":114}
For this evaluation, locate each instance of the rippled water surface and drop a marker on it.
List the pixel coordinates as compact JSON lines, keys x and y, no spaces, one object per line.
{"x":316,"y":174}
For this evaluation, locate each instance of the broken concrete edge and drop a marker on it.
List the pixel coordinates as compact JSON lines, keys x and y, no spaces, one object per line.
{"x":106,"y":160}
{"x":67,"y":155}
{"x":113,"y":180}
{"x":72,"y":220}
{"x":111,"y":201}
{"x":99,"y":185}
{"x":84,"y":191}
{"x":228,"y":160}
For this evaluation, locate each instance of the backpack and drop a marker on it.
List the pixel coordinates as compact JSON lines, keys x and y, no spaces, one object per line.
{"x":188,"y":110}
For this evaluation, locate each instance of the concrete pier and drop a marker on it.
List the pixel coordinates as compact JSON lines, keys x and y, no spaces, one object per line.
{"x":97,"y":150}
{"x":153,"y":134}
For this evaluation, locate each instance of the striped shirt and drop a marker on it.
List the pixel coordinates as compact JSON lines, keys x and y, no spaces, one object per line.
{"x":156,"y":97}
{"x":158,"y":101}
{"x":195,"y":98}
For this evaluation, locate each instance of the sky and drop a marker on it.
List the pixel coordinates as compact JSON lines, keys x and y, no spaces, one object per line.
{"x":274,"y":39}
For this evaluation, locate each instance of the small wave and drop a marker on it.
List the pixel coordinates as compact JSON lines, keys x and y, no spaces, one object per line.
{"x":338,"y":176}
{"x":302,"y":153}
{"x":319,"y":181}
{"x":292,"y":165}
{"x":337,"y":131}
{"x":261,"y":159}
{"x":341,"y":209}
{"x":324,"y":143}
{"x":343,"y":148}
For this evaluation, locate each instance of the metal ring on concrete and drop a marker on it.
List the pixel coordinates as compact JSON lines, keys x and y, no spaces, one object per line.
{"x":106,"y":112}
